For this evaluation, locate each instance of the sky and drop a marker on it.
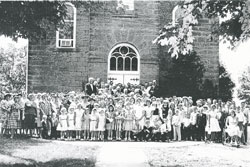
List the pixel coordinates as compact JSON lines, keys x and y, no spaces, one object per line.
{"x":235,"y":61}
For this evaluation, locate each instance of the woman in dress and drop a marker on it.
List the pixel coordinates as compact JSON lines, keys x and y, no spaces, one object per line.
{"x":213,"y":122}
{"x":232,"y":128}
{"x":30,"y":114}
{"x":13,"y":117}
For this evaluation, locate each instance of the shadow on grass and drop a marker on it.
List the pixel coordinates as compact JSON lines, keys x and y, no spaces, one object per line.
{"x":8,"y":145}
{"x":56,"y":163}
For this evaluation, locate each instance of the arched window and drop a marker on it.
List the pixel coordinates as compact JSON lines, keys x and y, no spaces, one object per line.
{"x":66,"y":35}
{"x":123,"y":58}
{"x":177,"y":15}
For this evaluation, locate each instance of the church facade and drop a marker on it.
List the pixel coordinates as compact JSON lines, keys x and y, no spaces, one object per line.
{"x":112,"y":40}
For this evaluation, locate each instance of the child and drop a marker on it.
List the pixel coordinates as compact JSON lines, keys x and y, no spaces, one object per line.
{"x":44,"y":128}
{"x":79,"y":115}
{"x":119,"y":116}
{"x":101,"y":124}
{"x":71,"y":121}
{"x":93,"y":124}
{"x":176,"y":122}
{"x":62,"y":126}
{"x":110,"y":121}
{"x":86,"y":124}
{"x":54,"y":125}
{"x":128,"y":122}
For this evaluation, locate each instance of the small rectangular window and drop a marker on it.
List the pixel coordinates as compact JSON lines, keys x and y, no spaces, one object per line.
{"x":66,"y":35}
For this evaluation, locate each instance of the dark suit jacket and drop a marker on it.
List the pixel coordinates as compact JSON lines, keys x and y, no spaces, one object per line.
{"x":89,"y":90}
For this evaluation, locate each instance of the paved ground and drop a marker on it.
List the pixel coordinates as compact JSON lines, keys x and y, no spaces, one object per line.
{"x":121,"y":154}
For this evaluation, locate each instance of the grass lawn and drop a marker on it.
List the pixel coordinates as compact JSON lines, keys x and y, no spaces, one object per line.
{"x":28,"y":152}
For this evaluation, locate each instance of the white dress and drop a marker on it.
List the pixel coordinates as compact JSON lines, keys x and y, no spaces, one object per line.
{"x":79,"y":113}
{"x":233,"y":129}
{"x":62,"y":126}
{"x":93,"y":122}
{"x":138,"y":114}
{"x":101,"y":123}
{"x":214,"y":123}
{"x":71,"y":125}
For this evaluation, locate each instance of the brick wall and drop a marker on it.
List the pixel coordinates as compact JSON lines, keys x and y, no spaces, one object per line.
{"x":98,"y":30}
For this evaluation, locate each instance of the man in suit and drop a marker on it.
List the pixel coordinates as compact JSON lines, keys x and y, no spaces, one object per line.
{"x":90,"y":87}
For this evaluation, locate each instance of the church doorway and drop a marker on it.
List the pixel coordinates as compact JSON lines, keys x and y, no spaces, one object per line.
{"x":124,"y":64}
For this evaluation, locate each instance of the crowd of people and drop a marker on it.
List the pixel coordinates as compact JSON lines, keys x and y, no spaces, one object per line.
{"x":105,"y":111}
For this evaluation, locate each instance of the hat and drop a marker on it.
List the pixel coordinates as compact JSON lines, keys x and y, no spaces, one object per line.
{"x":7,"y":95}
{"x":91,"y":99}
{"x":96,"y":104}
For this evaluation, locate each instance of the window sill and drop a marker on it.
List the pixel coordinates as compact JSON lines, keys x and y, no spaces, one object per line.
{"x":127,"y":14}
{"x":66,"y":50}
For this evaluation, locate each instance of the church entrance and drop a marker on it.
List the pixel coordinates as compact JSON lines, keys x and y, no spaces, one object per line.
{"x":124,"y":64}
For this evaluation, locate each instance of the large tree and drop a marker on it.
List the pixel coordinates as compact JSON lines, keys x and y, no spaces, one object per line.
{"x":13,"y":68}
{"x":30,"y":19}
{"x":235,"y":27}
{"x":226,"y":85}
{"x":185,"y":76}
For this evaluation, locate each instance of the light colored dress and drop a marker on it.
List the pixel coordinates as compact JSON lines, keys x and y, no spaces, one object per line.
{"x":214,"y":123}
{"x":128,"y":122}
{"x":71,"y":117}
{"x":138,"y":114}
{"x":101,"y":123}
{"x":110,"y":117}
{"x":86,"y":122}
{"x":119,"y":119}
{"x":62,"y":126}
{"x":79,"y":113}
{"x":233,"y":129}
{"x":93,"y":122}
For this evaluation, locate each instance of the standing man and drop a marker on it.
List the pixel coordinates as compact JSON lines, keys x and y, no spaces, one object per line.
{"x":90,"y":87}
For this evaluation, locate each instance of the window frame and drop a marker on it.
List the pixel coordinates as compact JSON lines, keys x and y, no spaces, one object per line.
{"x":137,"y":56}
{"x":174,"y":15}
{"x":74,"y":30}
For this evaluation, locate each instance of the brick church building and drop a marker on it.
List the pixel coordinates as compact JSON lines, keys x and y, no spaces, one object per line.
{"x":112,"y":40}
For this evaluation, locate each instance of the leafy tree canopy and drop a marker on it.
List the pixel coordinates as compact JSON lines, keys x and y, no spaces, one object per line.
{"x":29,"y":19}
{"x":234,"y":28}
{"x":226,"y":85}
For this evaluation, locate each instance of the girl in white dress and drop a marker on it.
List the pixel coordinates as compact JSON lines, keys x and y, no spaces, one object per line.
{"x":93,"y":124}
{"x":79,"y":116}
{"x":101,"y":124}
{"x":71,"y":121}
{"x":62,"y":125}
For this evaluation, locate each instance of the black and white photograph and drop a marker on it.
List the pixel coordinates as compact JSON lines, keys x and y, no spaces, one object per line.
{"x":125,"y":83}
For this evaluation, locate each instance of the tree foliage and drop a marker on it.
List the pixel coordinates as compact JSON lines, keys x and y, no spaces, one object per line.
{"x":179,"y":37}
{"x":185,"y":76}
{"x":226,"y":85}
{"x":13,"y":68}
{"x":244,"y":89}
{"x":30,"y":19}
